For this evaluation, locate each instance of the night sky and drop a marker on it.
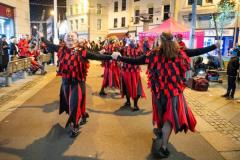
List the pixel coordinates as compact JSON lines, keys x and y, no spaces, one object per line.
{"x":36,"y":10}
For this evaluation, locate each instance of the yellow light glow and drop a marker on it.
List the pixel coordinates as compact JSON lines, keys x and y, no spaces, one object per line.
{"x":52,"y":12}
{"x":86,"y":5}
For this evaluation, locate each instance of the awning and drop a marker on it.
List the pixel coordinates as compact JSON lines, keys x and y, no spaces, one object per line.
{"x":118,"y":35}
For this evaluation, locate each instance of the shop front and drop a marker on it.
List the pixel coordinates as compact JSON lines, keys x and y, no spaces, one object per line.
{"x":227,"y":40}
{"x":7,"y":20}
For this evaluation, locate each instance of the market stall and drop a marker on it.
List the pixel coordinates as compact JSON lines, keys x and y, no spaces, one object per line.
{"x":172,"y":26}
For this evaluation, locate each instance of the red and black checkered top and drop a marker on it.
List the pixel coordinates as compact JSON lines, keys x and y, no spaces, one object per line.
{"x":182,"y":45}
{"x":110,"y":48}
{"x":166,"y":76}
{"x":133,"y":53}
{"x":73,"y":63}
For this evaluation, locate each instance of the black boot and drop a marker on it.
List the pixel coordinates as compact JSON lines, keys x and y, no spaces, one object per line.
{"x":127,"y":103}
{"x":74,"y":133}
{"x":231,"y":97}
{"x":156,"y":144}
{"x":164,"y":152}
{"x":226,"y":95}
{"x":136,"y":108}
{"x":158,"y":133}
{"x":102,"y":93}
{"x":84,"y":119}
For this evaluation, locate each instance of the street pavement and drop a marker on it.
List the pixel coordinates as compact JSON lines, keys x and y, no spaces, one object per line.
{"x":33,"y":130}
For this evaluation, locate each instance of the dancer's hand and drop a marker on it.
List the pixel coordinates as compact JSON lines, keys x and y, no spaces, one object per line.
{"x":217,"y":44}
{"x":102,"y":51}
{"x":40,"y":34}
{"x":115,"y":55}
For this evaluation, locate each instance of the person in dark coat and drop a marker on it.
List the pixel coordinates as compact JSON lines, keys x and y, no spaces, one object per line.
{"x":233,"y":66}
{"x":5,"y":57}
{"x":1,"y":54}
{"x":13,"y":47}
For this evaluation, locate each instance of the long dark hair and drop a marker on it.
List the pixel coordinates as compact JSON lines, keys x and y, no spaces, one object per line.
{"x":168,"y":48}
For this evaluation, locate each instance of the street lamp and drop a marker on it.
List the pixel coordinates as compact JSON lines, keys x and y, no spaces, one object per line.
{"x":55,"y":40}
{"x":52,"y":12}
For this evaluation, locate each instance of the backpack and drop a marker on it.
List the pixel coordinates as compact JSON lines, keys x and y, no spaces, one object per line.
{"x":200,"y":84}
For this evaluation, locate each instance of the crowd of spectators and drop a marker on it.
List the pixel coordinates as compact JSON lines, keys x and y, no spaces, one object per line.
{"x":17,"y":48}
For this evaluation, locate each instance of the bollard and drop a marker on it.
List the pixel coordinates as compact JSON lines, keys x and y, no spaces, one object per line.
{"x":43,"y":68}
{"x":25,"y":74}
{"x":8,"y":80}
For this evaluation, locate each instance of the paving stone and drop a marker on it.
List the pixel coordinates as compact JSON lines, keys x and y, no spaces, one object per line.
{"x":220,"y":142}
{"x":203,"y":126}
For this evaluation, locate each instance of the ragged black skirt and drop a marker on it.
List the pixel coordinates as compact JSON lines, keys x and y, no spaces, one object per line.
{"x":111,"y":76}
{"x":131,"y":84}
{"x":73,"y":100}
{"x":175,"y":110}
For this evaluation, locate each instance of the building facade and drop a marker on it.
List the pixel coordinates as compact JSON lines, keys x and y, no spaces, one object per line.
{"x":95,"y":19}
{"x":14,"y":17}
{"x":127,"y":15}
{"x":89,"y":18}
{"x":204,"y":21}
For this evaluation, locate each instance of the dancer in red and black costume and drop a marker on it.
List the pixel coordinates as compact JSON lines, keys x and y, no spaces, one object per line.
{"x":179,"y":38}
{"x":111,"y":72}
{"x":166,"y":73}
{"x":131,"y":84}
{"x":73,"y":68}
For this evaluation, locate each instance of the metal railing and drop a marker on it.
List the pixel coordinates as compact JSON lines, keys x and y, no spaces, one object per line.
{"x":23,"y":64}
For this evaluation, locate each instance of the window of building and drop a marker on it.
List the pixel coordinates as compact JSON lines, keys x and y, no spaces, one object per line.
{"x":82,"y":20}
{"x":71,"y":25}
{"x":199,"y":2}
{"x":115,"y":23}
{"x":166,"y":12}
{"x":71,"y":10}
{"x":123,"y":22}
{"x":76,"y":23}
{"x":76,"y":8}
{"x":124,"y":5}
{"x":99,"y":8}
{"x":209,"y":1}
{"x":116,"y":6}
{"x":99,"y":24}
{"x":136,"y":0}
{"x":82,"y":7}
{"x":137,"y":18}
{"x":150,"y":12}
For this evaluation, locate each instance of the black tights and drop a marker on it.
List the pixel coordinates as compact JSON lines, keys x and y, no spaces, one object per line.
{"x":135,"y":100}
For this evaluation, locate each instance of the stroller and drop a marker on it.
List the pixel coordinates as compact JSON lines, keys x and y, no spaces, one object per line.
{"x":213,"y":66}
{"x":199,"y":81}
{"x":34,"y":54}
{"x":199,"y":67}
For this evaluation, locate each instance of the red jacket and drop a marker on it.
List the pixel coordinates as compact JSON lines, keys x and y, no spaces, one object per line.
{"x":23,"y":48}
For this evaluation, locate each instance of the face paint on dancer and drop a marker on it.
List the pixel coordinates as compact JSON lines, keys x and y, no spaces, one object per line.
{"x":71,"y":39}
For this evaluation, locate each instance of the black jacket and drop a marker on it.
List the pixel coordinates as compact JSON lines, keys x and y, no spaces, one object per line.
{"x":233,"y":66}
{"x":5,"y":48}
{"x":13,"y":49}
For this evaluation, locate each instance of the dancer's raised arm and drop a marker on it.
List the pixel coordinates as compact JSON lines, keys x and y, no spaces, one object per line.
{"x":50,"y":45}
{"x":138,"y":60}
{"x":97,"y":56}
{"x":200,"y":51}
